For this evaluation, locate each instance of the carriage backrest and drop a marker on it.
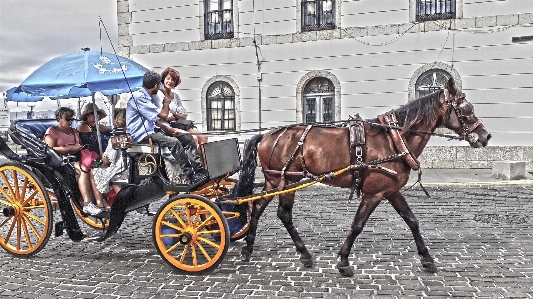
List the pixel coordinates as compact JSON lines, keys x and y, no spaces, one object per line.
{"x":222,"y":157}
{"x":36,"y":127}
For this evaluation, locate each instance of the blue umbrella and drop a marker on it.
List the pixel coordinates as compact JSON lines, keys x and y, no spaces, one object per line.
{"x":83,"y":73}
{"x":21,"y":96}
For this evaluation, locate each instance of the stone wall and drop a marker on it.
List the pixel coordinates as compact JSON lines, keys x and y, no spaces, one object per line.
{"x":467,"y":157}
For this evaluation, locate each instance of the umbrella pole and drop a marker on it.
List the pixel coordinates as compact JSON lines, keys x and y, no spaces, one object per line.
{"x":97,"y":125}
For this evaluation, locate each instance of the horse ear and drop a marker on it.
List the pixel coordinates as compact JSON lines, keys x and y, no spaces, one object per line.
{"x":450,"y":86}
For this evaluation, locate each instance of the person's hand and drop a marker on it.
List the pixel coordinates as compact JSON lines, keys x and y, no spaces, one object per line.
{"x":176,"y":131}
{"x":77,"y":147}
{"x":167,"y":100}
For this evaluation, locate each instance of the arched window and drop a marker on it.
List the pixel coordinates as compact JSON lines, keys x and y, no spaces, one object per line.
{"x":220,"y":106}
{"x":431,"y":81}
{"x":319,"y":101}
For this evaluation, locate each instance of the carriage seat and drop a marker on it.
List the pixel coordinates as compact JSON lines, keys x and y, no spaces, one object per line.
{"x":36,"y":127}
{"x":144,"y":148}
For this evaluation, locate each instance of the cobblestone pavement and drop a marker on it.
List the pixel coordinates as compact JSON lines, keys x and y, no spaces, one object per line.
{"x":480,"y":237}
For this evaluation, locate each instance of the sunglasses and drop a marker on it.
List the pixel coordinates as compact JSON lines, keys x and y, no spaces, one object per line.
{"x":69,"y":119}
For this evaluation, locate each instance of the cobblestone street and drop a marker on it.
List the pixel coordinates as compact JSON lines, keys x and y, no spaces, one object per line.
{"x":480,"y":237}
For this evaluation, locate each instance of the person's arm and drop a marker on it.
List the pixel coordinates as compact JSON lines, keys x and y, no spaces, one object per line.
{"x":51,"y":141}
{"x":170,"y":131}
{"x":165,"y":111}
{"x":177,"y":108}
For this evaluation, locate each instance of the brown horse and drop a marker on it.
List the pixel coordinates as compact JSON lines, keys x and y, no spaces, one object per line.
{"x":287,"y":154}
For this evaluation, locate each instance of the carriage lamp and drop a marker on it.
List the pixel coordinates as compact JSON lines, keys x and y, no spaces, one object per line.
{"x":121,"y":139}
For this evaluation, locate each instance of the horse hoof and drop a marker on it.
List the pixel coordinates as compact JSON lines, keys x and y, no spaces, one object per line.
{"x":307,"y":262}
{"x":428,"y":265}
{"x":245,"y":255}
{"x":345,"y":270}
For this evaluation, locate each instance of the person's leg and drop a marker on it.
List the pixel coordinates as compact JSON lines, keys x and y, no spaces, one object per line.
{"x":187,"y":141}
{"x":177,"y":151}
{"x":84,"y":184}
{"x":98,"y":196}
{"x":199,"y":139}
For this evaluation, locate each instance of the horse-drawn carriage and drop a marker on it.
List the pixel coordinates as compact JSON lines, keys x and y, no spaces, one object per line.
{"x":193,"y":228}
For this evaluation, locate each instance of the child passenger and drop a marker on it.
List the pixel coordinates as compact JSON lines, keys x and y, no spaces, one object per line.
{"x":113,"y":165}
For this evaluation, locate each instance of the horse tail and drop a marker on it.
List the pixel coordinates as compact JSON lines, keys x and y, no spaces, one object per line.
{"x":245,"y":186}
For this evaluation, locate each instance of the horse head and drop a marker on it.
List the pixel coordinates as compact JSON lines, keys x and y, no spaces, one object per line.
{"x":460,"y":117}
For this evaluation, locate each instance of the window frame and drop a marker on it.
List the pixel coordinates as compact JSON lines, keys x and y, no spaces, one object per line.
{"x":222,"y":113}
{"x":413,"y":9}
{"x":206,"y":16}
{"x":319,"y":15}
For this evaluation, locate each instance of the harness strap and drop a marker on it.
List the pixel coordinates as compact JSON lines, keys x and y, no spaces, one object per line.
{"x":357,"y":151}
{"x":291,"y":158}
{"x":390,"y":120}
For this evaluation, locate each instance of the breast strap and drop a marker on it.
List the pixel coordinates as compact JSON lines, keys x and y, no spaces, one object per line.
{"x":390,"y":120}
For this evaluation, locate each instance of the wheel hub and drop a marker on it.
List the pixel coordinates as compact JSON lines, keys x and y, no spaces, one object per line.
{"x":185,"y":238}
{"x":9,"y":212}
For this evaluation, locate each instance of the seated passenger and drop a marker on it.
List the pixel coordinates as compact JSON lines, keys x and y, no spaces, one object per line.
{"x":87,"y":128}
{"x":171,"y":79}
{"x":66,"y":140}
{"x":143,"y":117}
{"x":113,"y":164}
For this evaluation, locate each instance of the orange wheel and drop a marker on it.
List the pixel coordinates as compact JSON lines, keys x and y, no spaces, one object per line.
{"x":26,"y":218}
{"x":191,"y":234}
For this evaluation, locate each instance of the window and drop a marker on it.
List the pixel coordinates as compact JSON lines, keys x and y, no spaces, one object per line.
{"x":319,"y":101}
{"x":218,"y":19}
{"x":430,"y":10}
{"x":431,"y":81}
{"x":220,"y":104}
{"x":318,"y":14}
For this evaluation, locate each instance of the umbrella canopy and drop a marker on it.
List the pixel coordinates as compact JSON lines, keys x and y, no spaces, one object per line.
{"x":21,"y":96}
{"x":83,"y":73}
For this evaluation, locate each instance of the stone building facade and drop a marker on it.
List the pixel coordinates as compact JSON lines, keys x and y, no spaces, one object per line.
{"x":256,"y":64}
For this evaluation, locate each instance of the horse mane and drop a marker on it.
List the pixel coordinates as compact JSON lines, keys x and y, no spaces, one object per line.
{"x":419,"y":111}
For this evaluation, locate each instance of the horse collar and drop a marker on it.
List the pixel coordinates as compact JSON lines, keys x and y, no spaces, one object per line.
{"x":391,"y":121}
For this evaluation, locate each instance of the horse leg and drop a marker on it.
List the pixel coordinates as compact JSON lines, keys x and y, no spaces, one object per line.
{"x":286,"y":202}
{"x":258,"y":208}
{"x":400,"y":205}
{"x":366,"y":207}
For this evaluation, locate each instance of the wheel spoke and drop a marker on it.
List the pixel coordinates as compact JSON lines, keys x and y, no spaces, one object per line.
{"x":8,"y":185}
{"x":34,"y":229}
{"x":209,"y":242}
{"x":184,"y":253}
{"x":194,"y":258}
{"x":16,"y":185}
{"x":9,"y":204}
{"x":26,"y":233}
{"x":43,"y":222}
{"x":174,"y":247}
{"x":204,"y":252}
{"x":178,"y":217}
{"x":207,"y":221}
{"x":171,"y":225}
{"x":30,"y":197}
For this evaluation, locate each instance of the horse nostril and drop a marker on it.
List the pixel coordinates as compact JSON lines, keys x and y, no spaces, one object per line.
{"x":489,"y":137}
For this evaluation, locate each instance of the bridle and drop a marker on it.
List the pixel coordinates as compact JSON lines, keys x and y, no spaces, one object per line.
{"x":459,"y":104}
